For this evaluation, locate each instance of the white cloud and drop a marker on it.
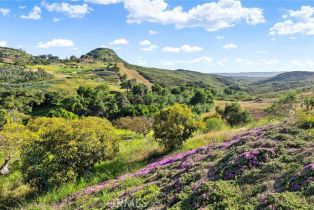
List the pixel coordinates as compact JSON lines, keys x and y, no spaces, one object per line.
{"x":211,"y":16}
{"x":145,"y":43}
{"x":223,"y":62}
{"x":220,"y":37}
{"x":103,"y":2}
{"x":3,"y":43}
{"x":4,"y":11}
{"x":230,"y":46}
{"x":184,"y":48}
{"x":72,"y":10}
{"x":56,"y":43}
{"x":295,"y":22}
{"x":148,"y":46}
{"x":35,"y":14}
{"x":171,"y":49}
{"x":152,"y":32}
{"x":22,"y":7}
{"x":203,"y":59}
{"x":120,"y":41}
{"x":56,"y":19}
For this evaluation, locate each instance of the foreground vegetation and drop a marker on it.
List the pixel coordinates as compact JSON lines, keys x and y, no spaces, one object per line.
{"x":97,"y":132}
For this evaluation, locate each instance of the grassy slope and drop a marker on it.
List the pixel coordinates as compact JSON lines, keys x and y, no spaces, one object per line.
{"x":284,"y":82}
{"x":265,"y":168}
{"x":132,"y":74}
{"x":171,"y":78}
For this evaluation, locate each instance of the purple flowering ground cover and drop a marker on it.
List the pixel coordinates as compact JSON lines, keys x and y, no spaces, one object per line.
{"x":271,"y":167}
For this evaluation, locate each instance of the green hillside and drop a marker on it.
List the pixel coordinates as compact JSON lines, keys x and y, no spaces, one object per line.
{"x":10,"y":55}
{"x":268,"y":166}
{"x":285,"y":81}
{"x":177,"y":77}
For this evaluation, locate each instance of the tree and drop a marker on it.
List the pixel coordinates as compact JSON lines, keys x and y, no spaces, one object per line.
{"x":284,"y":106}
{"x":202,"y":97}
{"x":173,"y":125}
{"x":140,"y":125}
{"x":234,"y":114}
{"x":66,"y":149}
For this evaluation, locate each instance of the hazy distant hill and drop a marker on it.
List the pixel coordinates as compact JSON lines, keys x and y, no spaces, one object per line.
{"x":287,"y":80}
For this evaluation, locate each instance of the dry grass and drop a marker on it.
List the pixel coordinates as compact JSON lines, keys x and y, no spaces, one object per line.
{"x":256,"y":108}
{"x":132,"y":74}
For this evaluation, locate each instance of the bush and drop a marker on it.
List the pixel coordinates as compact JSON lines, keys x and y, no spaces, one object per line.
{"x":234,"y":114}
{"x":173,"y":125}
{"x":66,"y":149}
{"x":306,"y":120}
{"x":286,"y":200}
{"x":213,"y":124}
{"x":140,"y":125}
{"x":60,"y":112}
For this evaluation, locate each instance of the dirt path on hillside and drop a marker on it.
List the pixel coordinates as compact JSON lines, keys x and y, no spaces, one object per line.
{"x":132,"y":74}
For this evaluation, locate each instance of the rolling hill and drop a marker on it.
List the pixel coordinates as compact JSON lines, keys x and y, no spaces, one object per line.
{"x":286,"y":81}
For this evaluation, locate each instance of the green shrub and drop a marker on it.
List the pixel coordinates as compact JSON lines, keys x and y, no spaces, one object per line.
{"x":213,"y":124}
{"x":306,"y":120}
{"x":285,"y":200}
{"x":214,"y":195}
{"x":66,"y":149}
{"x":173,"y":125}
{"x":234,"y":114}
{"x":60,"y":112}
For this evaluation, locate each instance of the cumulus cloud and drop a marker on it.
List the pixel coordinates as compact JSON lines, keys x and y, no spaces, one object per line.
{"x":184,"y":48}
{"x":211,"y":16}
{"x":152,"y":32}
{"x":120,"y":41}
{"x":230,"y":46}
{"x":295,"y":22}
{"x":4,"y":11}
{"x":71,"y":10}
{"x":3,"y":43}
{"x":148,"y":46}
{"x":220,"y":37}
{"x":56,"y":43}
{"x":203,"y":59}
{"x":103,"y":2}
{"x":35,"y":14}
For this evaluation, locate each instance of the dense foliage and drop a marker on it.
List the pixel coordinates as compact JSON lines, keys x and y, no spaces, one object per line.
{"x":16,"y":74}
{"x":66,"y":149}
{"x":173,"y":125}
{"x":234,"y":114}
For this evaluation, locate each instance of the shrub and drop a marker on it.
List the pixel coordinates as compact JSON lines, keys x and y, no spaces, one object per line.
{"x":60,"y":112}
{"x":213,"y":124}
{"x":66,"y":149}
{"x":284,"y":106}
{"x":306,"y":120}
{"x":140,"y":125}
{"x":173,"y":125}
{"x":286,"y":200}
{"x":234,"y":114}
{"x":12,"y":137}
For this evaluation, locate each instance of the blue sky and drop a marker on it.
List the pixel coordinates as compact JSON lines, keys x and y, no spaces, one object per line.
{"x":207,"y":36}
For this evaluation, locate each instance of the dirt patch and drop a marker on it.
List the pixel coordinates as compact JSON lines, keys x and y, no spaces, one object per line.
{"x":132,"y":74}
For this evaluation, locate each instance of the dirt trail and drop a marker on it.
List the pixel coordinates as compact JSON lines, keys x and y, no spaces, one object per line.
{"x":132,"y":74}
